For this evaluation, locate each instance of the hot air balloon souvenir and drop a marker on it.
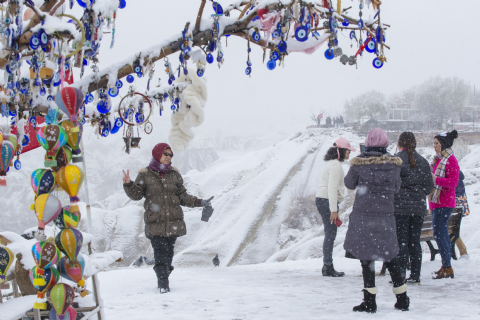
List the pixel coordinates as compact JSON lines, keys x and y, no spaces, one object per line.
{"x":63,"y":156}
{"x":69,"y":241}
{"x":74,"y":138}
{"x":51,"y":138}
{"x":42,"y":181}
{"x":67,"y":219}
{"x":61,"y":297}
{"x":6,"y":259}
{"x":71,"y":314}
{"x":70,"y":178}
{"x":45,"y":254}
{"x":69,"y":100}
{"x":47,"y":208}
{"x":73,"y":270}
{"x":51,"y":276}
{"x":8,"y":152}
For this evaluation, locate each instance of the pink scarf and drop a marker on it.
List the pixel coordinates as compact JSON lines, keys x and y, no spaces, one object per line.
{"x":159,"y":167}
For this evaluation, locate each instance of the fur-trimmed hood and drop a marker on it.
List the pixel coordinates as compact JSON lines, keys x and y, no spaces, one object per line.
{"x":386,"y":158}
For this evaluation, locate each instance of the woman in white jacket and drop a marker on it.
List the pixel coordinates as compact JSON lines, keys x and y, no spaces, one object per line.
{"x":329,"y":194}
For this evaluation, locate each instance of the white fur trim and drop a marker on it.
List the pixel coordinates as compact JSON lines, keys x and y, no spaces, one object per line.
{"x":373,"y":290}
{"x":400,"y":290}
{"x":195,"y":96}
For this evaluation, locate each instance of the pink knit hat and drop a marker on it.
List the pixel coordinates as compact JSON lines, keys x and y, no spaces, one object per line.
{"x":344,"y":144}
{"x":377,"y":138}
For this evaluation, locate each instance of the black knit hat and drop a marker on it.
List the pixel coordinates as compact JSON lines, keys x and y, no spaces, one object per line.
{"x":446,"y":138}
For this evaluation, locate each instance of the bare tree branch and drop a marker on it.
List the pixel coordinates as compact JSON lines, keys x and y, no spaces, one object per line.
{"x":199,"y":15}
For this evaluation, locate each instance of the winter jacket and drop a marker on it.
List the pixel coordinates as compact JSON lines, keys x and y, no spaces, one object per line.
{"x":371,"y":233}
{"x":331,"y":185}
{"x":417,"y":183}
{"x":460,"y":189}
{"x":448,"y":184}
{"x":163,"y":197}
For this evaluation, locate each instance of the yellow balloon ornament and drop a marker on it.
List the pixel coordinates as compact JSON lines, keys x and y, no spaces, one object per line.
{"x":70,"y":178}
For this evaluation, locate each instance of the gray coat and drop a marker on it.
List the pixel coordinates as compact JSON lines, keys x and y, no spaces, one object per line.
{"x":371,"y":233}
{"x":163,"y":198}
{"x":417,"y":183}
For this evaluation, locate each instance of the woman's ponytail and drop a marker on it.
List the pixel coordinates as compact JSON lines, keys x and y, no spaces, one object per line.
{"x":407,"y":140}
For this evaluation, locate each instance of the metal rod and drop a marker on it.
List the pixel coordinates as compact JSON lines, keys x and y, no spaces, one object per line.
{"x":91,"y":314}
{"x":87,"y":198}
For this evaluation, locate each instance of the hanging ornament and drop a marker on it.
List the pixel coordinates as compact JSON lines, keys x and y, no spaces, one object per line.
{"x":6,"y":259}
{"x":45,"y":254}
{"x":70,"y":314}
{"x":70,"y":178}
{"x":69,"y":241}
{"x":69,"y":100}
{"x":47,"y":207}
{"x":61,"y":297}
{"x":73,"y":270}
{"x":51,"y":277}
{"x":8,"y":152}
{"x":51,"y":138}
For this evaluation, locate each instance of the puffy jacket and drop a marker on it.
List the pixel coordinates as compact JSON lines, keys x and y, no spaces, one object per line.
{"x":448,"y":184}
{"x":163,"y":197}
{"x":417,"y":183}
{"x":372,"y":231}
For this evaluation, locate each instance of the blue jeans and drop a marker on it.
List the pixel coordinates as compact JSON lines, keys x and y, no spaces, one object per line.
{"x":440,"y":233}
{"x":330,"y":230}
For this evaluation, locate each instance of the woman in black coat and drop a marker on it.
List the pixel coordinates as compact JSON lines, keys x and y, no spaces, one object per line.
{"x":371,"y":234}
{"x":410,"y":205}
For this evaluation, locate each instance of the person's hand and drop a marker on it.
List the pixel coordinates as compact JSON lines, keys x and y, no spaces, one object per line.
{"x":333,"y":217}
{"x":206,"y":203}
{"x":126,"y":176}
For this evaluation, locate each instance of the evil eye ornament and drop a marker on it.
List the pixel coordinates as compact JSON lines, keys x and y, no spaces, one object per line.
{"x":106,"y":129}
{"x":256,"y":36}
{"x":17,"y":164}
{"x":200,"y":72}
{"x":360,"y":24}
{"x":56,"y":79}
{"x":130,"y":78}
{"x":43,"y":91}
{"x":33,"y":120}
{"x":103,"y":107}
{"x":123,"y":4}
{"x":248,"y":71}
{"x":377,"y":63}
{"x":345,"y":23}
{"x":118,"y":122}
{"x":139,"y":118}
{"x":138,"y":69}
{"x":8,"y":33}
{"x":210,"y":58}
{"x":89,"y":98}
{"x":275,"y":56}
{"x":370,"y":46}
{"x":353,"y":35}
{"x":25,"y":140}
{"x":329,"y":54}
{"x":34,"y":42}
{"x":271,"y":64}
{"x":43,"y":37}
{"x":50,"y":98}
{"x":275,"y":34}
{"x":119,"y":84}
{"x":282,"y":46}
{"x":331,"y":23}
{"x":217,"y":8}
{"x":113,"y":92}
{"x":11,"y":85}
{"x":301,"y":34}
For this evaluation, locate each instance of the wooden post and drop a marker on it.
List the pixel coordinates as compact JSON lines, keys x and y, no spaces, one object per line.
{"x":36,"y":314}
{"x":16,"y":294}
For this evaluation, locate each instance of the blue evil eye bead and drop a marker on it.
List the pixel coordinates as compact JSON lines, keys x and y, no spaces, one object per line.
{"x":82,"y":3}
{"x":106,"y":129}
{"x":103,"y":107}
{"x":256,"y":36}
{"x":217,"y":8}
{"x":275,"y":56}
{"x":377,"y":63}
{"x":118,"y":122}
{"x":329,"y":54}
{"x":138,"y":69}
{"x":56,"y":79}
{"x":89,"y":98}
{"x":275,"y":34}
{"x":177,"y":101}
{"x":185,"y":71}
{"x":119,"y":84}
{"x":17,"y":164}
{"x":249,"y":63}
{"x":130,"y":78}
{"x":360,"y":24}
{"x":140,"y":74}
{"x":50,"y":98}
{"x":248,"y":71}
{"x":25,"y":140}
{"x":331,"y":23}
{"x":353,"y":35}
{"x":37,"y":82}
{"x":34,"y":41}
{"x":43,"y":91}
{"x":43,"y":37}
{"x":122,"y":4}
{"x":200,"y":72}
{"x":11,"y":85}
{"x":271,"y":64}
{"x":170,"y":81}
{"x":8,"y":21}
{"x":9,"y":70}
{"x":139,"y":118}
{"x":210,"y":58}
{"x":82,"y":121}
{"x":115,"y":129}
{"x":371,"y":46}
{"x":213,"y":46}
{"x":24,"y":91}
{"x":12,"y":113}
{"x":165,"y":95}
{"x":180,"y":57}
{"x":345,"y":23}
{"x":8,"y":33}
{"x":33,"y":120}
{"x":301,"y":34}
{"x":113,"y":92}
{"x":17,"y":84}
{"x":173,"y":107}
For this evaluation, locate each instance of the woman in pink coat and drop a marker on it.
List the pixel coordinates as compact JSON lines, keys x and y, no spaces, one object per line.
{"x":445,"y":171}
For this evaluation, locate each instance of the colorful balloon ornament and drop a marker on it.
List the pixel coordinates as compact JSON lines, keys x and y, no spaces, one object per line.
{"x":51,"y":138}
{"x":51,"y":277}
{"x":61,"y":297}
{"x":47,"y":208}
{"x":45,"y":254}
{"x":73,"y":270}
{"x":6,"y":260}
{"x":70,"y":178}
{"x":69,"y":241}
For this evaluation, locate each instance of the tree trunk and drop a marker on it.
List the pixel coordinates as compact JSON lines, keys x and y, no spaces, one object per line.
{"x":23,"y":278}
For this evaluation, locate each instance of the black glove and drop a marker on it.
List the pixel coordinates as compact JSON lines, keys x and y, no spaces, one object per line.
{"x":206,"y":203}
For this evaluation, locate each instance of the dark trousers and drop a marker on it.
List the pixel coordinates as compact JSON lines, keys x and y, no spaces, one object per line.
{"x":440,"y":233}
{"x":408,"y":235}
{"x":163,"y":253}
{"x":330,"y":230}
{"x":368,"y":271}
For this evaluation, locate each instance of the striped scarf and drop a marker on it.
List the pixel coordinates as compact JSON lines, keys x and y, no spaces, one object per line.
{"x":440,"y":172}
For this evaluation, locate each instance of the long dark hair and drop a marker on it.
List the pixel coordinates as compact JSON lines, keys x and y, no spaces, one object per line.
{"x":407,"y":140}
{"x":333,"y":155}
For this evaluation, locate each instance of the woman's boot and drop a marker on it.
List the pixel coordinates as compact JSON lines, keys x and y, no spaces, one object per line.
{"x":444,"y":273}
{"x":329,"y":271}
{"x":403,"y":301}
{"x":369,"y":303}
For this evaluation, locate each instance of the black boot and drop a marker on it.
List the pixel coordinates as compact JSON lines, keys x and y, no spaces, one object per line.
{"x":329,"y":271}
{"x":170,"y":269}
{"x":369,"y":303}
{"x":163,"y":285}
{"x":413,"y":280}
{"x":403,"y":301}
